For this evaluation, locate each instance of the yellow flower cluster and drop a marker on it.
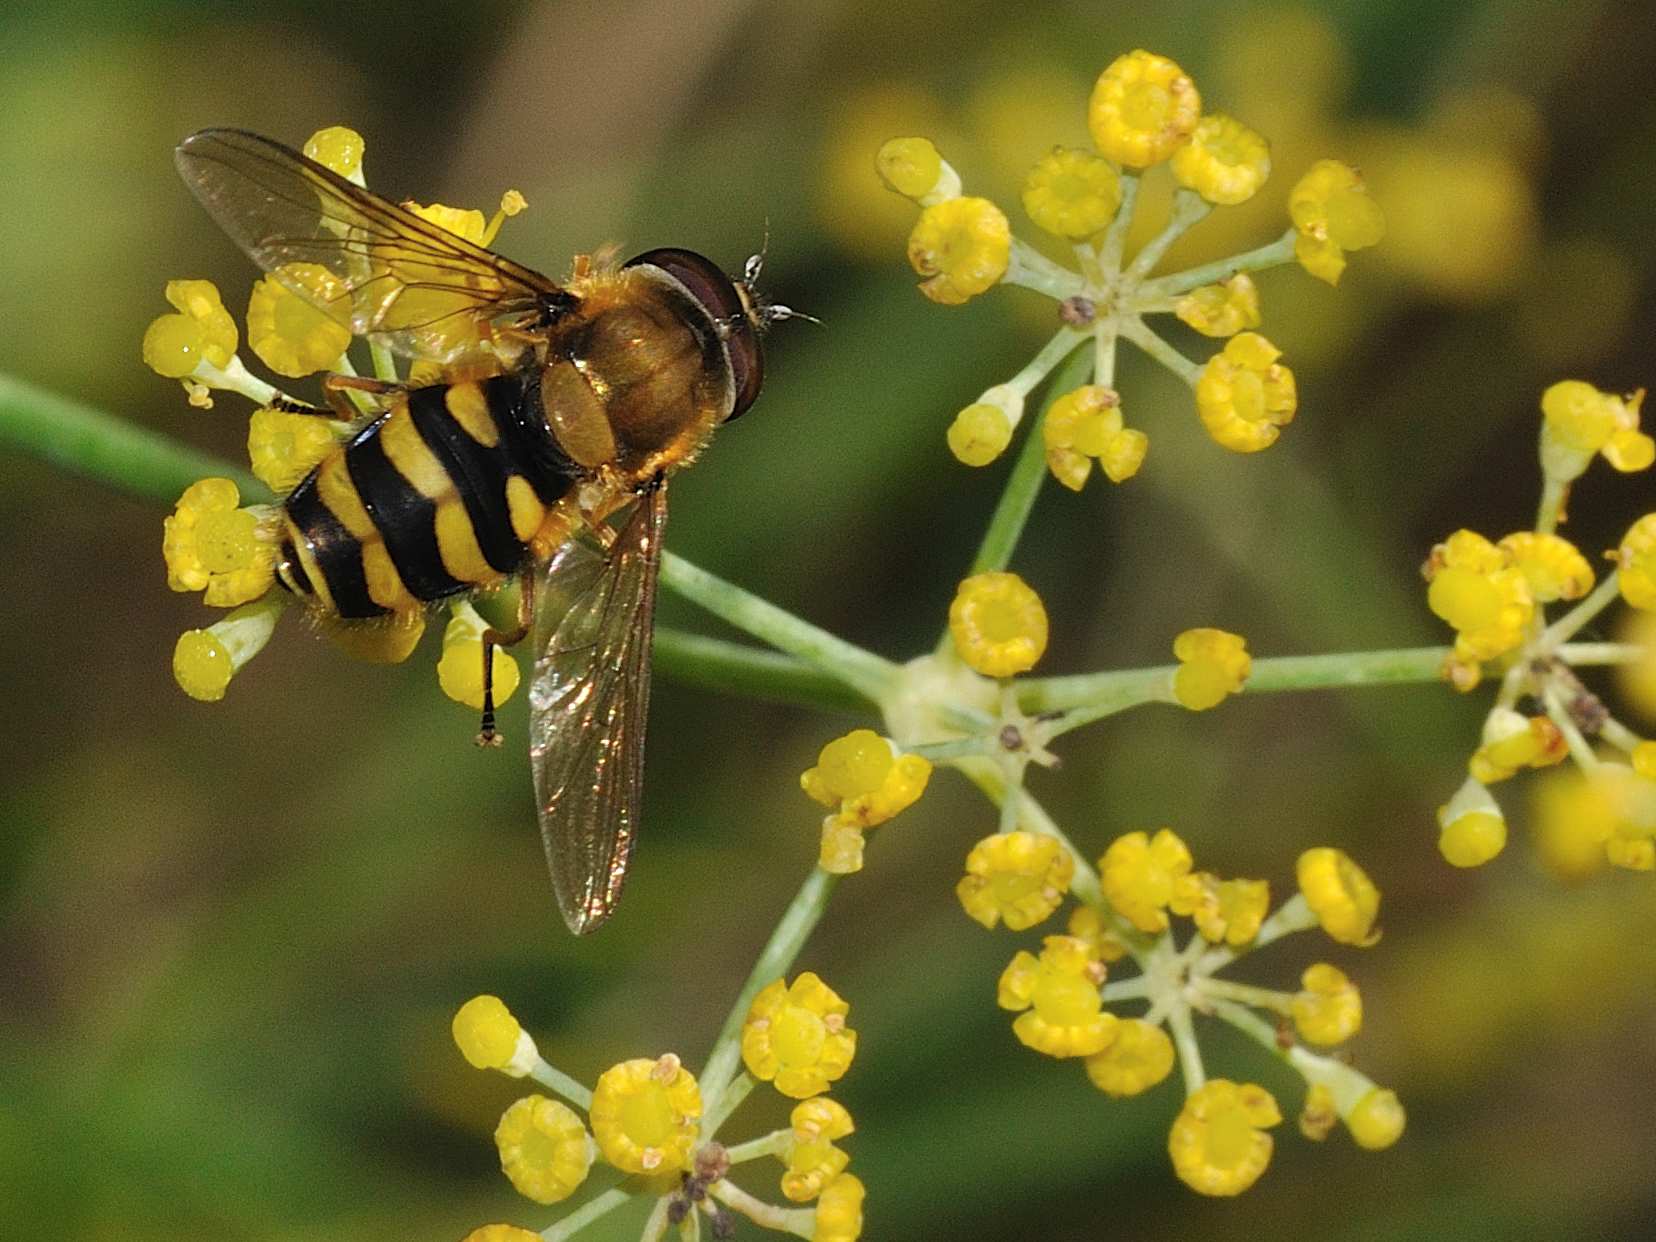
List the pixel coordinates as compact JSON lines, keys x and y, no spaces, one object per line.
{"x":865,"y":780}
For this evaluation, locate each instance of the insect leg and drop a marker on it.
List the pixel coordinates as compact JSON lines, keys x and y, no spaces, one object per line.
{"x":487,"y":734}
{"x":335,"y":388}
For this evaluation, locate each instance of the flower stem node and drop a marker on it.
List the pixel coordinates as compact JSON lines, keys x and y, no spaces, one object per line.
{"x":1328,"y":1009}
{"x":1342,"y":897}
{"x":545,"y":1151}
{"x":1224,"y":161}
{"x":1062,"y":1011}
{"x":1143,"y":108}
{"x":1139,"y":1057}
{"x":489,"y":1037}
{"x":211,"y":545}
{"x":1072,"y":194}
{"x":1223,"y":309}
{"x":1244,"y":395}
{"x":795,"y":1036}
{"x":460,"y":669}
{"x":998,"y":623}
{"x":1332,"y":213}
{"x":1218,"y":1141}
{"x":962,"y":247}
{"x":1139,"y":875}
{"x":646,"y":1115}
{"x":1213,"y":664}
{"x":1018,"y":878}
{"x":1579,"y":422}
{"x":913,"y":168}
{"x":204,"y":661}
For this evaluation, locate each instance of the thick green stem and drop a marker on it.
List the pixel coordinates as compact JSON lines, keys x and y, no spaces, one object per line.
{"x":804,"y":912}
{"x":733,"y":668}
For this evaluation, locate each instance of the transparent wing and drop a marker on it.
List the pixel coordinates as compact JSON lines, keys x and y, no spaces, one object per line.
{"x":374,"y":267}
{"x":588,"y":705}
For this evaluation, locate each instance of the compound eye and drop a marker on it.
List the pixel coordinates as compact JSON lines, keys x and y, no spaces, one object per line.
{"x":718,"y":295}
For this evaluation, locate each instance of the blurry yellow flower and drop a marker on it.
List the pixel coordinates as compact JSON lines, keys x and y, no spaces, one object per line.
{"x":1224,"y":161}
{"x":1225,"y":911}
{"x":1578,"y":421}
{"x":1511,"y":741}
{"x":1551,"y":564}
{"x":1333,"y":213}
{"x":1139,"y":873}
{"x":979,"y":434}
{"x":1143,"y":108}
{"x":336,"y":148}
{"x":1088,"y":923}
{"x":501,"y":1233}
{"x":839,"y":1216}
{"x":1018,"y":877}
{"x":913,"y":168}
{"x":1342,"y":897}
{"x":1218,"y":1141}
{"x":646,"y":1115}
{"x":544,"y":1149}
{"x":998,"y":624}
{"x":1636,"y":562}
{"x":1223,"y":309}
{"x":1328,"y":1009}
{"x":1244,"y":395}
{"x":961,"y":246}
{"x":867,"y":781}
{"x":202,"y":331}
{"x":210,"y":545}
{"x":1072,"y":194}
{"x":289,"y":333}
{"x":1471,"y":838}
{"x":1063,"y":1014}
{"x":796,"y":1038}
{"x":1138,"y":1058}
{"x":1376,"y":1121}
{"x":1212,"y":664}
{"x":1318,"y":1114}
{"x":1637,"y":680}
{"x":812,"y":1159}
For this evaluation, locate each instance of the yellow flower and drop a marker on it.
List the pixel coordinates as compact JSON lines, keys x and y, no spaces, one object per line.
{"x":866,"y":781}
{"x":336,"y":148}
{"x":489,"y":1037}
{"x":961,"y":246}
{"x":1143,"y":108}
{"x":460,"y":669}
{"x":1018,"y":877}
{"x":1578,"y":421}
{"x":1212,"y":664}
{"x":1471,"y":838}
{"x":1318,"y":1114}
{"x":501,"y":1233}
{"x":1088,"y":923}
{"x":1072,"y":193}
{"x":796,"y":1038}
{"x":290,"y":334}
{"x":1551,"y":565}
{"x":1477,"y":590}
{"x":1223,"y":309}
{"x":1224,"y":161}
{"x":1328,"y":1009}
{"x":1225,"y":911}
{"x":1585,"y":819}
{"x":1218,"y":1141}
{"x":1139,"y":873}
{"x":211,"y":545}
{"x":1244,"y":395}
{"x":204,"y":661}
{"x":1376,"y":1121}
{"x":544,"y":1149}
{"x":1342,"y":897}
{"x":913,"y":168}
{"x":283,"y":447}
{"x":849,"y":767}
{"x":1636,"y":562}
{"x":839,"y":1216}
{"x":646,"y":1115}
{"x":812,"y":1159}
{"x":1637,"y":680}
{"x":979,"y":434}
{"x":1086,"y":423}
{"x":174,"y":345}
{"x":1511,"y":741}
{"x":1063,"y":1014}
{"x":1138,"y":1058}
{"x":998,"y":623}
{"x":1333,"y":213}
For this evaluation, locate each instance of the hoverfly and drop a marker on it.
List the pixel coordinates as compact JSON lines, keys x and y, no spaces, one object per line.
{"x":542,"y":453}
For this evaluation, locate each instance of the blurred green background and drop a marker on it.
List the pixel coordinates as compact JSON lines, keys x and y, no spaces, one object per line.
{"x":233,"y":935}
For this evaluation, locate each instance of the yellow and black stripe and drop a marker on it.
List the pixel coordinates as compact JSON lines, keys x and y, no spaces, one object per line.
{"x":438,"y":496}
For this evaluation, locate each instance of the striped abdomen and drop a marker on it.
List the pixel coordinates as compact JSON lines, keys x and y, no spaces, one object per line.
{"x":439,"y":496}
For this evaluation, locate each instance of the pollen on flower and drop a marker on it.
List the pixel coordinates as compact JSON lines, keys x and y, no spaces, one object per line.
{"x":839,"y":1214}
{"x":1139,"y":1057}
{"x":1143,"y":108}
{"x":460,"y":669}
{"x":1328,"y":1009}
{"x":1062,"y":1011}
{"x":1072,"y":194}
{"x":544,"y":1149}
{"x":1218,"y":1141}
{"x":1224,"y":161}
{"x":1244,"y":395}
{"x":283,"y":447}
{"x":1212,"y":665}
{"x":1376,"y":1121}
{"x":1224,"y":911}
{"x":201,"y":331}
{"x":1636,"y":563}
{"x":1018,"y":878}
{"x":1342,"y":897}
{"x":962,"y":247}
{"x":1333,"y":213}
{"x":998,"y":623}
{"x":646,"y":1115}
{"x":1221,"y":310}
{"x":1138,"y":874}
{"x":489,"y":1037}
{"x":336,"y":148}
{"x":291,"y":335}
{"x":795,"y":1036}
{"x":211,"y":545}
